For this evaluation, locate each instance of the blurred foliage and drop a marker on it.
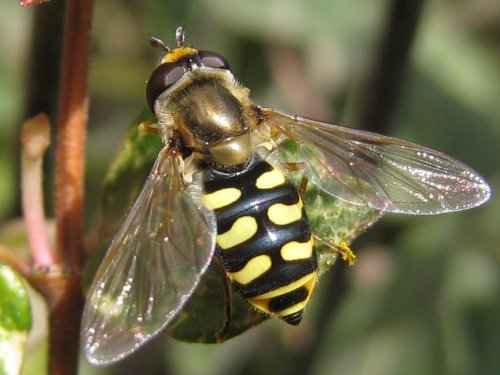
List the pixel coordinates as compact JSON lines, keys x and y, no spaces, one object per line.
{"x":14,"y":303}
{"x":15,"y":320}
{"x":424,"y":296}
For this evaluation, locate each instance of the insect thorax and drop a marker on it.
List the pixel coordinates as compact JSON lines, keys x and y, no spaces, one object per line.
{"x":212,"y":114}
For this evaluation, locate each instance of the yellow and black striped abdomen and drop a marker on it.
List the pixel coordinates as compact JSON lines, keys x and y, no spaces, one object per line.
{"x":264,"y":240}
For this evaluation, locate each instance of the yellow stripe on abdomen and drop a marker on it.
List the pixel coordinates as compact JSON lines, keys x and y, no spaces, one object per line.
{"x":299,"y":306}
{"x":254,"y":268}
{"x":242,"y":229}
{"x":269,"y":180}
{"x":262,"y":302}
{"x":286,"y":288}
{"x":282,"y":214}
{"x":222,"y":198}
{"x":294,"y":250}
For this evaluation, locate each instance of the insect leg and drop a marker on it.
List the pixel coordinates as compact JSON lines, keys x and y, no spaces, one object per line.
{"x":149,"y":126}
{"x":300,"y":166}
{"x":342,"y":249}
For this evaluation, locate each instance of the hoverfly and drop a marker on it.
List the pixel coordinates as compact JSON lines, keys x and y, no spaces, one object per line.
{"x":220,"y":186}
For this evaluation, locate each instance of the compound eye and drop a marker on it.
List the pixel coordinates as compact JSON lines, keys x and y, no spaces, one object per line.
{"x":161,"y":79}
{"x":213,"y":60}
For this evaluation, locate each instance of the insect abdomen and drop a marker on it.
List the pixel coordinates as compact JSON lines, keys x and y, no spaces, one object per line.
{"x":264,"y":240}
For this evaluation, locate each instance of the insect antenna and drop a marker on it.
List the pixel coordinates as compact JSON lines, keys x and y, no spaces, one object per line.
{"x":179,"y":36}
{"x":158,"y":43}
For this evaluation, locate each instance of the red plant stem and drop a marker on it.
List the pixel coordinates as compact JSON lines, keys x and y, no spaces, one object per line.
{"x":71,"y":134}
{"x":65,"y":298}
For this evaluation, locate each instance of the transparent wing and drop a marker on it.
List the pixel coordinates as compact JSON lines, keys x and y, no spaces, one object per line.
{"x":384,"y":173}
{"x":152,"y":267}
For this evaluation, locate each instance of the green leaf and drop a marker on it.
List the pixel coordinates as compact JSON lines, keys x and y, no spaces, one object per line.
{"x":15,"y":320}
{"x":129,"y":170}
{"x":122,"y":184}
{"x":216,"y":312}
{"x":208,"y":317}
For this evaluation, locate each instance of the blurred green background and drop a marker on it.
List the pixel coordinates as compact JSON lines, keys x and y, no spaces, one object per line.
{"x":424,"y":297}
